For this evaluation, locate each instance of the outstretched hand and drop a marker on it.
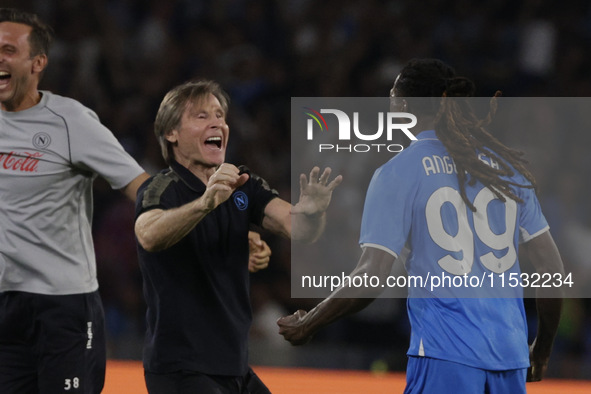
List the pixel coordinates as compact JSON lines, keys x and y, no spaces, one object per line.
{"x":315,"y":192}
{"x":293,"y":329}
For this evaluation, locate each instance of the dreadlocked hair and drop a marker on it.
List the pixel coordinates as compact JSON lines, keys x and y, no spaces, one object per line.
{"x":462,"y":133}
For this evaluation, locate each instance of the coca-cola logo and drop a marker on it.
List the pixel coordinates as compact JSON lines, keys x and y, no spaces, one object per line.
{"x":20,"y":161}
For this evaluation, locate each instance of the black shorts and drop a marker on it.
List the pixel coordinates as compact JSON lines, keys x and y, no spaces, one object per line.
{"x":51,"y":344}
{"x":195,"y":382}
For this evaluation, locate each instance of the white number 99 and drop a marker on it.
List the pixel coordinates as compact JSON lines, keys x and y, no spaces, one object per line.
{"x":463,"y":240}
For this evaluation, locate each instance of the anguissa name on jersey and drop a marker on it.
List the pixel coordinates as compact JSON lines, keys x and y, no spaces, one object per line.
{"x":435,"y":164}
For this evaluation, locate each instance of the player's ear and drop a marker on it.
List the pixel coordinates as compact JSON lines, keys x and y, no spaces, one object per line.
{"x":398,"y":105}
{"x":172,"y":136}
{"x":39,"y":63}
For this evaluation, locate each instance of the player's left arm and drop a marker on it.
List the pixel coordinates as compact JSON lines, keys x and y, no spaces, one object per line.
{"x":304,"y":221}
{"x":130,"y":190}
{"x":545,"y":257}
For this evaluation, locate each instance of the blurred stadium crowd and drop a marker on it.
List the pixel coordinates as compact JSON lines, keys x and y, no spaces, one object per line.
{"x":119,"y":57}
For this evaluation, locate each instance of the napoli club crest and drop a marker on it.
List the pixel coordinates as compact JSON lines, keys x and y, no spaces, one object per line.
{"x":41,"y":140}
{"x":241,"y":200}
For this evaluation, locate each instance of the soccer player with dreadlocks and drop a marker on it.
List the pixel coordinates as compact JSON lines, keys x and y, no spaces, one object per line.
{"x":463,"y":203}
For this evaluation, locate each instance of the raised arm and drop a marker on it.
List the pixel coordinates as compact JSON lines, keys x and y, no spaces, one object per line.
{"x":159,"y":229}
{"x":300,"y":327}
{"x":544,"y":255}
{"x":306,"y":220}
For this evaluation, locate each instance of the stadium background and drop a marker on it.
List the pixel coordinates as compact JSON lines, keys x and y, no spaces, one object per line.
{"x":119,"y":57}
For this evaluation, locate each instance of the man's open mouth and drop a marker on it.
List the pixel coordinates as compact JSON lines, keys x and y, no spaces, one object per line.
{"x":214,"y":141}
{"x":4,"y":77}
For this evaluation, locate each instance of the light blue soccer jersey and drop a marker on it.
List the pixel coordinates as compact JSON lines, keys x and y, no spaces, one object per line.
{"x":414,"y":200}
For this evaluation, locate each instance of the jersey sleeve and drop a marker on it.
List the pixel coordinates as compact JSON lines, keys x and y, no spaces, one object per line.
{"x":260,"y":194}
{"x":157,"y":193}
{"x":387,"y":212}
{"x":531,"y":219}
{"x":94,"y":148}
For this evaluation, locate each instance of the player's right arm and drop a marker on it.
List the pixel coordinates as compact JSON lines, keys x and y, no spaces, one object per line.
{"x":301,"y":326}
{"x":130,"y":190}
{"x":159,"y":229}
{"x":544,"y":255}
{"x":377,"y":229}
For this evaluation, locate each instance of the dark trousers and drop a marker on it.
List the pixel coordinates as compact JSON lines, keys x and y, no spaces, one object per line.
{"x":51,"y":344}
